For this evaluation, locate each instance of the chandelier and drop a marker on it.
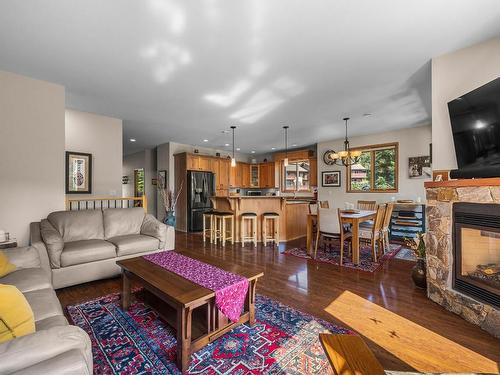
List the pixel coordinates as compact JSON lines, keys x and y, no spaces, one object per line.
{"x":345,"y":157}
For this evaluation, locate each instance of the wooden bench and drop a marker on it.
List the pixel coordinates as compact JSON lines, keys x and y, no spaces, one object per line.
{"x":349,"y":355}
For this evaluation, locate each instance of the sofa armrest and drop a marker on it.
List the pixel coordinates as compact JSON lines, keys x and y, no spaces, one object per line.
{"x":37,"y":242}
{"x":154,"y":228}
{"x":23,"y":257}
{"x":69,"y":363}
{"x":26,"y":351}
{"x":170,"y":238}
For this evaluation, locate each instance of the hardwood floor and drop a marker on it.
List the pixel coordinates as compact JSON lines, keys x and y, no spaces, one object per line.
{"x":405,"y":330}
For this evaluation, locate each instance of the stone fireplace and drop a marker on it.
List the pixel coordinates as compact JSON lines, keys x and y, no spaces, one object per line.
{"x":463,"y":252}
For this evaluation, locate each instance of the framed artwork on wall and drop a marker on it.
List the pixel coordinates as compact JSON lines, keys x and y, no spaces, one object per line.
{"x":419,"y":167}
{"x":78,"y":173}
{"x":162,"y":178}
{"x":330,"y":179}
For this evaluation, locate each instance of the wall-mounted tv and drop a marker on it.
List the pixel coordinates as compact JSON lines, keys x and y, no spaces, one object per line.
{"x":475,"y":123}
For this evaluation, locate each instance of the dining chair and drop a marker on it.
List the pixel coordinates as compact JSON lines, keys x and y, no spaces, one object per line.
{"x":372,"y":234}
{"x":367,"y":205}
{"x":385,"y":227}
{"x":330,"y":228}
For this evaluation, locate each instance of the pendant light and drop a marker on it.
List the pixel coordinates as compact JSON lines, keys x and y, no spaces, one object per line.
{"x":346,"y":157}
{"x":233,"y":159}
{"x":285,"y":161}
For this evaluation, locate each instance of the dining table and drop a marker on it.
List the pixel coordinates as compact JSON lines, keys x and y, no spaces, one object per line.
{"x":352,"y":217}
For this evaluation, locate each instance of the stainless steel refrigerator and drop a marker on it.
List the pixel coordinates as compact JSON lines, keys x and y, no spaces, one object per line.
{"x":201,"y":188}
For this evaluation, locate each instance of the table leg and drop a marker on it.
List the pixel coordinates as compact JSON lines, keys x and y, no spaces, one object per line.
{"x":251,"y":302}
{"x":355,"y":242}
{"x":125,"y":297}
{"x":309,"y":234}
{"x":183,"y":338}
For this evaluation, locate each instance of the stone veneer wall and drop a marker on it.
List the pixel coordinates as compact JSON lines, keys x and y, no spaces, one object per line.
{"x":440,"y":254}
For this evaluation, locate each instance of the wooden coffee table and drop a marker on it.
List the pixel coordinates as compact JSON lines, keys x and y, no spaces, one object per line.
{"x":186,"y":306}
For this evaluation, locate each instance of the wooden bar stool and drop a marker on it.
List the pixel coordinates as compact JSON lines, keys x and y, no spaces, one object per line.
{"x":224,"y":226}
{"x":274,"y":219}
{"x":250,"y":219}
{"x":208,"y":217}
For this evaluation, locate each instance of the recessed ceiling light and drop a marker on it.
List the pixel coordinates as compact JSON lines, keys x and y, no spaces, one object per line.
{"x":253,"y":151}
{"x":367,"y":114}
{"x":224,"y":131}
{"x":132,"y":139}
{"x":273,"y":148}
{"x":238,"y":149}
{"x":294,"y":145}
{"x":226,"y":144}
{"x":205,"y":140}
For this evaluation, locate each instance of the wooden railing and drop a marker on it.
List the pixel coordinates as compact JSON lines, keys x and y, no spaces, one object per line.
{"x":96,"y":203}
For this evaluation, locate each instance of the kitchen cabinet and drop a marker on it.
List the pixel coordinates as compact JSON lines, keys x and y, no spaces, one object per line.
{"x":254,"y":175}
{"x":313,"y":172}
{"x":224,"y":171}
{"x":266,"y":175}
{"x":198,"y":163}
{"x":245,"y":175}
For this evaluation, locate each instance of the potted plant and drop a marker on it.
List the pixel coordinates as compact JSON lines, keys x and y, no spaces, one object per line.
{"x":169,"y":200}
{"x":419,"y":272}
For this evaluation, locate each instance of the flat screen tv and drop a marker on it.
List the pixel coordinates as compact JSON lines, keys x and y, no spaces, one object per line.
{"x":475,"y":123}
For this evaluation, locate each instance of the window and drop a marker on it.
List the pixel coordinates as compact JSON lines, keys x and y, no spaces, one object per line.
{"x":376,"y":171}
{"x":296,"y":176}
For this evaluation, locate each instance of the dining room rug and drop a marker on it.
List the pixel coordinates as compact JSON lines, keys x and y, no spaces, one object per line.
{"x":331,"y":254}
{"x":282,"y":341}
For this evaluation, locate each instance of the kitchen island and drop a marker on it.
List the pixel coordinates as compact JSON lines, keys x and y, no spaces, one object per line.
{"x":292,"y":213}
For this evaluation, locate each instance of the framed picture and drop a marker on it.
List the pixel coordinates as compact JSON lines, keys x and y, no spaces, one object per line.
{"x":78,"y":173}
{"x":419,"y":167}
{"x":162,"y":178}
{"x":330,"y":179}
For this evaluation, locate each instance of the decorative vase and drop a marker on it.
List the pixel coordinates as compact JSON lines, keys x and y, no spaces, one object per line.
{"x":170,"y":218}
{"x":419,"y":274}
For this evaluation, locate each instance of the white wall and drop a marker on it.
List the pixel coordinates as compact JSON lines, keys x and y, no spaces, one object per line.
{"x":31,"y":152}
{"x":100,"y":136}
{"x":453,"y":75}
{"x":412,"y":142}
{"x":146,"y":160}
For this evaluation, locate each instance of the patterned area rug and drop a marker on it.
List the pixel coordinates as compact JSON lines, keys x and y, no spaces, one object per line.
{"x":332,"y":255}
{"x":282,"y":341}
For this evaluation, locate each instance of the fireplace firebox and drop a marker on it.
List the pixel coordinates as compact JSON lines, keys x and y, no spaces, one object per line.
{"x":476,"y":251}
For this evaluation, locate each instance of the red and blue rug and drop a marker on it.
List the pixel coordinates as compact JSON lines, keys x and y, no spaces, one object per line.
{"x":331,"y":254}
{"x":282,"y":341}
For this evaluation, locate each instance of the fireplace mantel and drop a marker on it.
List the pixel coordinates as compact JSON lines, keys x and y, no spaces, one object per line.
{"x":441,"y":197}
{"x":472,"y":182}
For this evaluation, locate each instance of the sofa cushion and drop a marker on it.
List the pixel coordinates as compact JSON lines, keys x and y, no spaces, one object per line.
{"x":53,"y":321}
{"x":44,"y":303}
{"x":78,"y":225}
{"x":16,"y":316}
{"x":53,"y":242}
{"x":134,"y":243}
{"x":78,"y":252}
{"x":6,"y":266}
{"x":122,"y":221}
{"x":28,"y":279}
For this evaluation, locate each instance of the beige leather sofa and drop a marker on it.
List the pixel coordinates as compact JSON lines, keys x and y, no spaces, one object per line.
{"x":55,"y":347}
{"x":84,"y":245}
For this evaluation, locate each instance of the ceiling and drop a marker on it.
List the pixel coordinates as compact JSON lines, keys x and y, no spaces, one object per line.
{"x":184,"y":70}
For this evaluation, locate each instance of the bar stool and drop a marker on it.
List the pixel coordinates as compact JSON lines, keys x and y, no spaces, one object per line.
{"x":251,"y":218}
{"x":208,"y":217}
{"x":221,"y":231}
{"x":274,"y":218}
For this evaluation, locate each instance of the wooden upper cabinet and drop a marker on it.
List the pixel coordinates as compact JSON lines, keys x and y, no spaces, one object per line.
{"x":245,"y":175}
{"x":198,"y":163}
{"x":313,"y":171}
{"x":266,"y":175}
{"x":224,"y":166}
{"x":254,"y":175}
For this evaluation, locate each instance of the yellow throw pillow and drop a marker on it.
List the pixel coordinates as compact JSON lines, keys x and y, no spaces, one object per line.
{"x":6,"y":267}
{"x":16,"y":316}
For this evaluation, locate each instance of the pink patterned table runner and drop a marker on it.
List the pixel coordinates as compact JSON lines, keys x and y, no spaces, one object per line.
{"x":230,"y":289}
